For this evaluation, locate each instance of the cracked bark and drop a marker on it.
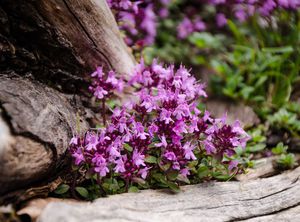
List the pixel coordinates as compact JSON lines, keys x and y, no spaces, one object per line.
{"x":269,"y":199}
{"x":47,"y":50}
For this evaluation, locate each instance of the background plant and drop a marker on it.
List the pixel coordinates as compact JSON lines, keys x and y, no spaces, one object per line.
{"x":252,"y":56}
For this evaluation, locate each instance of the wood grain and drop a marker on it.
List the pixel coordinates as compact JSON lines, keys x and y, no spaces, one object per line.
{"x":48,"y":48}
{"x":265,"y":199}
{"x":39,"y":123}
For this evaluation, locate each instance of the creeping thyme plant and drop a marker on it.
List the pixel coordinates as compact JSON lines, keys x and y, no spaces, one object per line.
{"x":159,"y":138}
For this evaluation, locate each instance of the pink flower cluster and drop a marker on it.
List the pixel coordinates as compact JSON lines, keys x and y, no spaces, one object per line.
{"x":239,"y":9}
{"x":163,"y":123}
{"x":139,"y":19}
{"x":105,"y":84}
{"x":187,"y":27}
{"x":242,"y":9}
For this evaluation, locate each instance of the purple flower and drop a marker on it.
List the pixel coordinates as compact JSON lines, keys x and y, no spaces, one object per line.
{"x":114,"y":149}
{"x":180,"y":127}
{"x":102,"y":87}
{"x":165,"y":116}
{"x":100,"y":165}
{"x":139,"y":130}
{"x":100,"y":92}
{"x":138,"y":158}
{"x":188,"y":151}
{"x":185,"y":28}
{"x":170,"y":156}
{"x":92,"y":142}
{"x":74,"y":140}
{"x":149,"y":25}
{"x":184,"y":172}
{"x":199,"y":25}
{"x":241,"y":15}
{"x":209,"y":147}
{"x":221,"y":20}
{"x":233,"y":164}
{"x":98,"y":73}
{"x":148,"y":103}
{"x":79,"y":158}
{"x":144,"y":172}
{"x":153,"y":128}
{"x":120,"y":167}
{"x":103,"y":137}
{"x":163,"y":142}
{"x":182,"y":111}
{"x":147,"y":78}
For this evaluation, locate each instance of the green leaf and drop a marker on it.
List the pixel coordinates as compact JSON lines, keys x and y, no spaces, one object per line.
{"x":172,"y":175}
{"x":239,"y":150}
{"x":287,"y":161}
{"x":236,"y":32}
{"x":183,"y":179}
{"x":151,"y":159}
{"x":203,"y":171}
{"x":138,"y":180}
{"x":282,"y":91}
{"x":279,"y":149}
{"x":133,"y":189}
{"x":61,"y":189}
{"x":128,"y":147}
{"x":163,"y":166}
{"x":160,"y":177}
{"x":256,"y":148}
{"x":82,"y":191}
{"x":173,"y":186}
{"x":205,"y":40}
{"x":221,"y":176}
{"x":284,"y":49}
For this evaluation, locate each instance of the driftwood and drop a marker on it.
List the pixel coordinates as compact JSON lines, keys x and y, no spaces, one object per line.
{"x":270,"y":199}
{"x":41,"y":122}
{"x":47,"y":50}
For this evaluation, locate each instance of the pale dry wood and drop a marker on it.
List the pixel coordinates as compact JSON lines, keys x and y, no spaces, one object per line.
{"x":34,"y":208}
{"x":264,"y":167}
{"x":258,"y":200}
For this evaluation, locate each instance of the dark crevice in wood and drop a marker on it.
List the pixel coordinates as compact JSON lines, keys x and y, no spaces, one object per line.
{"x":87,"y":34}
{"x":272,"y":194}
{"x":194,"y":208}
{"x":264,"y":214}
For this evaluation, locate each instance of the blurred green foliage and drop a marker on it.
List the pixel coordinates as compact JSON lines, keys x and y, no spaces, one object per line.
{"x":256,"y":62}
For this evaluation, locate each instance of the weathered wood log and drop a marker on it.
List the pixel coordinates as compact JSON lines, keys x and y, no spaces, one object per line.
{"x":265,"y":199}
{"x":47,"y":50}
{"x":59,"y":42}
{"x":41,"y":121}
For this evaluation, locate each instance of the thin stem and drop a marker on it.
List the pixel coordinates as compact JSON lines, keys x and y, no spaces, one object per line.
{"x":73,"y":185}
{"x":103,"y":112}
{"x":99,"y":182}
{"x":127,"y":185}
